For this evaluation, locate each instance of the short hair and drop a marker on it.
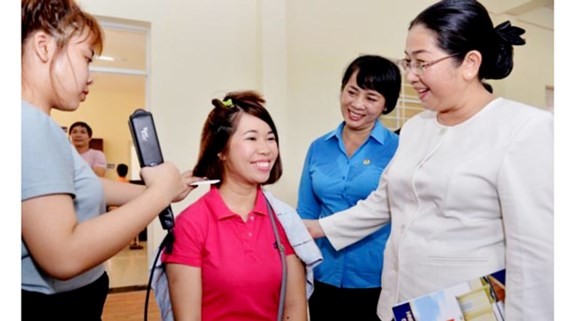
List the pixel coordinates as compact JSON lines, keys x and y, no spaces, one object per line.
{"x":220,"y":126}
{"x":379,"y":74}
{"x":122,"y":169}
{"x":81,"y":124}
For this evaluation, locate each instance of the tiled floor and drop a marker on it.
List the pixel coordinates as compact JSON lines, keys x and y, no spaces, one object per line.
{"x":128,"y":268}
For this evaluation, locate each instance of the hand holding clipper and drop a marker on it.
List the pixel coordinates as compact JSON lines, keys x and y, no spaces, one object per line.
{"x":149,"y":153}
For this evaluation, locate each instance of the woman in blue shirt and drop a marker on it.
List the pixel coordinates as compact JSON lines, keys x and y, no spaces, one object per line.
{"x":341,"y":168}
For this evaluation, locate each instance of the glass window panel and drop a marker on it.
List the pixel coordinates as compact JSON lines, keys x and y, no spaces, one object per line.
{"x":125,"y":49}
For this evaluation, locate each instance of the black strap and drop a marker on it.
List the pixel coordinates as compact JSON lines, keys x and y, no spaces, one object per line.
{"x":168,"y":241}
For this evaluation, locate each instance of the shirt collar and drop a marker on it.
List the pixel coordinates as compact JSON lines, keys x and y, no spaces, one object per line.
{"x":221,"y":211}
{"x":379,"y":132}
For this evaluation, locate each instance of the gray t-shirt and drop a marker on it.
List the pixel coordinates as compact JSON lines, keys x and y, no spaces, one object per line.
{"x":51,"y":165}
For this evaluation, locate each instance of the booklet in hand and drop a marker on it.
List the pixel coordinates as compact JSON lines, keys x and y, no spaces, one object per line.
{"x":481,"y":299}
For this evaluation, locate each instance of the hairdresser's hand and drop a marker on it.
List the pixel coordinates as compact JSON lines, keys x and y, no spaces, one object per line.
{"x":188,"y":179}
{"x":166,"y":180}
{"x":314,"y":228}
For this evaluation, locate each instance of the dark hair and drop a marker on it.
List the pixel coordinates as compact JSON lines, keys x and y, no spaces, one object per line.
{"x":122,"y":169}
{"x":81,"y":124}
{"x":378,"y":74}
{"x":222,"y":123}
{"x":62,"y":19}
{"x":464,"y":25}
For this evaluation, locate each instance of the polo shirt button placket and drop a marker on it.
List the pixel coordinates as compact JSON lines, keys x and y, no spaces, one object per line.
{"x":251,"y":218}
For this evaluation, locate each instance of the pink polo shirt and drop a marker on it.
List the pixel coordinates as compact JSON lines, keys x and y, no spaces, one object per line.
{"x":241,"y":268}
{"x":95,"y":158}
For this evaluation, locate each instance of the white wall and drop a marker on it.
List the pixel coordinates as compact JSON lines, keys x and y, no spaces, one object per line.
{"x":325,"y":35}
{"x":199,"y":50}
{"x":323,"y":38}
{"x":294,"y":51}
{"x":534,"y":67}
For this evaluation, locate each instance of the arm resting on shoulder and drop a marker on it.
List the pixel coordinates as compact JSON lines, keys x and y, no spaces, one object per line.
{"x":366,"y":217}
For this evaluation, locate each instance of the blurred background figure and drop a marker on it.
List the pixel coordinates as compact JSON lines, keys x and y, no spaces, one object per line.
{"x":122,"y":171}
{"x":81,"y":134}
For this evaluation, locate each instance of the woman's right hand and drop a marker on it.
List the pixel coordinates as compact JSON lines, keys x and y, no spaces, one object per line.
{"x":188,"y":179}
{"x":166,"y":178}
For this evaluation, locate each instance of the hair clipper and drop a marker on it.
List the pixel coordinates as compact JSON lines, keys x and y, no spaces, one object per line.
{"x":148,"y":150}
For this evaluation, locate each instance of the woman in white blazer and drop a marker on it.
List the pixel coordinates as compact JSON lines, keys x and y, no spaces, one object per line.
{"x":470,"y":188}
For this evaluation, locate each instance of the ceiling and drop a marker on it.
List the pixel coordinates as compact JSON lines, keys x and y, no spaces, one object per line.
{"x":539,"y":13}
{"x":128,"y":47}
{"x":121,"y":67}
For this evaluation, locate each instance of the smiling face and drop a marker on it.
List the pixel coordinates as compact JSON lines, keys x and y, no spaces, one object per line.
{"x":440,"y":86}
{"x":252,"y":152}
{"x":79,"y":137}
{"x":360,"y":107}
{"x":70,"y":73}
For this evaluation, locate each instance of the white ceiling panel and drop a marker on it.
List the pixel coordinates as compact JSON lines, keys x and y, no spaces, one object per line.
{"x":536,"y":12}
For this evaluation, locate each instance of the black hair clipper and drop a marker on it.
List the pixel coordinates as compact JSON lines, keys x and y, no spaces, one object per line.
{"x":148,"y":150}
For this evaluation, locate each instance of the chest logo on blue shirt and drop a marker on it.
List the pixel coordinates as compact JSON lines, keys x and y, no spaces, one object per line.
{"x":366,"y":162}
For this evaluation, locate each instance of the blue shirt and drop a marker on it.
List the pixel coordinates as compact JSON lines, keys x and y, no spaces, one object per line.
{"x":332,"y":181}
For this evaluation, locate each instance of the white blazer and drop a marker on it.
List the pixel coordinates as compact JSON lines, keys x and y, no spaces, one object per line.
{"x":465,"y":201}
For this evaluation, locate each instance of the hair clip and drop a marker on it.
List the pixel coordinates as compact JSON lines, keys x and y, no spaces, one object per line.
{"x":510,"y":34}
{"x":228,"y":103}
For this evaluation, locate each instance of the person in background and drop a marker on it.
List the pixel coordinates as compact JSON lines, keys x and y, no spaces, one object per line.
{"x":122,"y":171}
{"x":341,"y":168}
{"x":65,"y":239}
{"x":225,"y":264}
{"x":81,"y":134}
{"x":470,"y":189}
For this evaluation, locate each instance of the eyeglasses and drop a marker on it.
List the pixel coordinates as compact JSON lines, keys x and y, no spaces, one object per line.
{"x":420,"y":67}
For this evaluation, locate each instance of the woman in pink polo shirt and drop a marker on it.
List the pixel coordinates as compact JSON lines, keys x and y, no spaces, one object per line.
{"x":224,"y":263}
